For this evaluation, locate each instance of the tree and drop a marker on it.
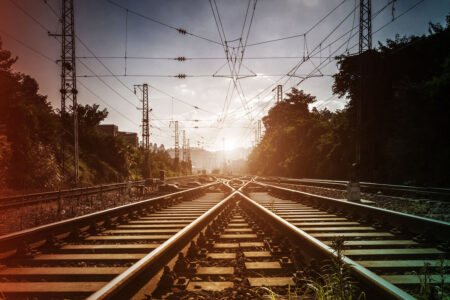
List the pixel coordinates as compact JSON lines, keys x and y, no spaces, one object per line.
{"x":405,"y":112}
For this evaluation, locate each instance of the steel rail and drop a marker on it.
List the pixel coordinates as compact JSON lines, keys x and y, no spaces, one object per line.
{"x":437,"y":193}
{"x":19,"y":200}
{"x":440,"y":230}
{"x":313,"y":247}
{"x":125,"y":284}
{"x":20,"y":239}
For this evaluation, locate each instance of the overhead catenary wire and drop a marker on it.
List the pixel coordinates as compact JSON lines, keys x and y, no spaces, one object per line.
{"x":27,"y":46}
{"x":301,"y":34}
{"x":373,"y":16}
{"x":181,"y":58}
{"x":318,"y":67}
{"x":179,"y":30}
{"x":330,"y":44}
{"x":55,"y":61}
{"x":117,"y":77}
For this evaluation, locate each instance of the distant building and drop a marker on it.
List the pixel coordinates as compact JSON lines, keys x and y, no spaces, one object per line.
{"x":109,"y":129}
{"x":113,"y":130}
{"x":130,"y":137}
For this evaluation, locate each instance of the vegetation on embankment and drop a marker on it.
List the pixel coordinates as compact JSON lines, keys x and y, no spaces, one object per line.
{"x":405,"y":136}
{"x":31,"y":141}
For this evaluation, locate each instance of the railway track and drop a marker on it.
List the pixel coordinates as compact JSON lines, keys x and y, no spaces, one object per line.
{"x":432,"y":193}
{"x":76,"y":257}
{"x":393,"y":245}
{"x":237,"y":240}
{"x":37,"y":198}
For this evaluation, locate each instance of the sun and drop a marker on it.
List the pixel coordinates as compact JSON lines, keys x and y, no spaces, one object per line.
{"x":230,"y":145}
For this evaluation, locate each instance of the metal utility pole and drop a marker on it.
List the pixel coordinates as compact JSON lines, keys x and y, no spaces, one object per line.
{"x":224,"y":158}
{"x":188,"y":151}
{"x":259,"y":132}
{"x":279,"y":93}
{"x":365,"y":25}
{"x":177,"y":144}
{"x":145,"y":115}
{"x":68,"y":80}
{"x":184,"y":146}
{"x":365,"y":43}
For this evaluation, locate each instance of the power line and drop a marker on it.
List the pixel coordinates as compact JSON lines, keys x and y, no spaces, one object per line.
{"x":181,"y":58}
{"x":301,"y":34}
{"x":54,"y":62}
{"x":383,"y":26}
{"x":90,"y":51}
{"x":107,"y":104}
{"x":116,"y":77}
{"x":29,"y":47}
{"x":183,"y":76}
{"x":29,"y":15}
{"x":179,"y":30}
{"x":99,"y":77}
{"x":181,"y":101}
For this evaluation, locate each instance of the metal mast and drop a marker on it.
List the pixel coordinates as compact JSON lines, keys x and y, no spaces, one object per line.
{"x":68,"y":78}
{"x":365,"y":43}
{"x":145,"y":115}
{"x":259,"y":132}
{"x":365,"y":25}
{"x":279,"y":93}
{"x":188,"y":150}
{"x":177,"y":144}
{"x":184,"y":146}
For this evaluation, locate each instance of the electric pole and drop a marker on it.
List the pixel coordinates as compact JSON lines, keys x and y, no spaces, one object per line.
{"x":68,"y":82}
{"x":145,"y":115}
{"x":177,"y":145}
{"x":224,"y":159}
{"x":189,"y":162}
{"x":184,"y":146}
{"x":145,"y":127}
{"x":279,"y":93}
{"x":259,"y":132}
{"x":183,"y":164}
{"x":365,"y":25}
{"x":365,"y":44}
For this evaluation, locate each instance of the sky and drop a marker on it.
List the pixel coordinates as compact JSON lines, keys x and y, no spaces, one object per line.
{"x":215,"y":109}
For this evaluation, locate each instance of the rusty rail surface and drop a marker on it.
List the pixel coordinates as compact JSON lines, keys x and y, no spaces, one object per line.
{"x":35,"y":198}
{"x":434,"y":193}
{"x":312,"y":247}
{"x":126,"y":284}
{"x":438,"y":230}
{"x":21,"y":241}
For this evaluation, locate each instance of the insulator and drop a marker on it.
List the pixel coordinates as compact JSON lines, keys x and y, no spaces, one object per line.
{"x":181,"y":58}
{"x":181,"y":76}
{"x":182,"y":31}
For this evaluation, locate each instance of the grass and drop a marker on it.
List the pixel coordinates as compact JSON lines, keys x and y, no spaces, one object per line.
{"x":335,"y":280}
{"x":429,"y":287}
{"x":271,"y":206}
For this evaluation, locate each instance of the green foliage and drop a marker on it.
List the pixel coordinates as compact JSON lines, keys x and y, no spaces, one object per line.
{"x":299,"y":142}
{"x":31,"y":141}
{"x":30,"y":127}
{"x":405,"y":111}
{"x":433,"y":286}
